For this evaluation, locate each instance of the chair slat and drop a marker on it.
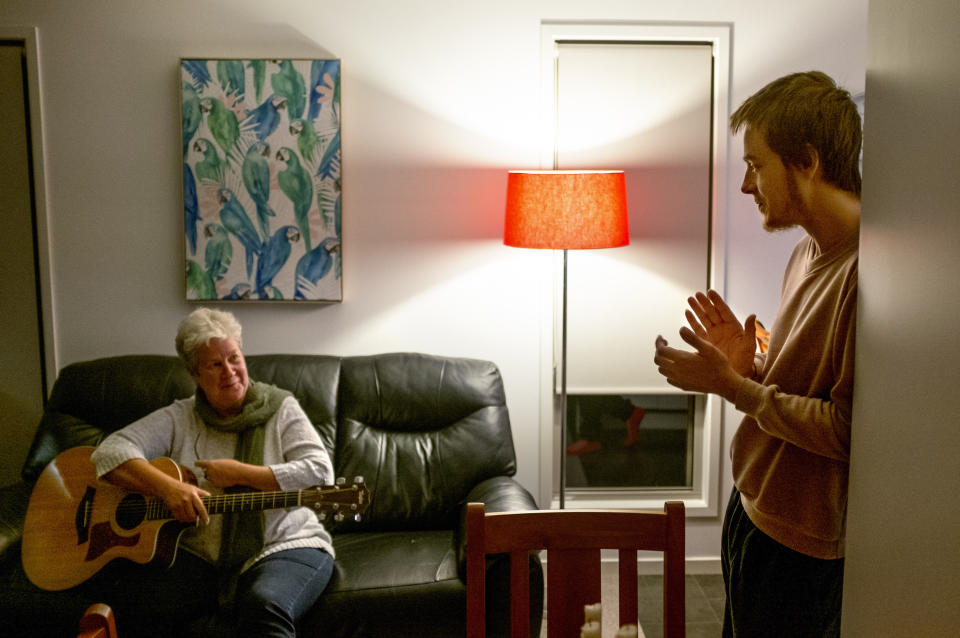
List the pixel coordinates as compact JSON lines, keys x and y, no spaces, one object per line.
{"x":520,"y":594}
{"x":674,"y":573}
{"x":573,"y":580}
{"x":627,"y":582}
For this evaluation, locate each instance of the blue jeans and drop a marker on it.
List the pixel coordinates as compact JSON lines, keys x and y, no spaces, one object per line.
{"x":278,"y":589}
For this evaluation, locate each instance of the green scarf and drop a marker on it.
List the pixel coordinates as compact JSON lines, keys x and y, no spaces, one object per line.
{"x":243,"y":533}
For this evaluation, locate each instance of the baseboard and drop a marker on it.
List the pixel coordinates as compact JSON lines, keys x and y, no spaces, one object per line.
{"x":654,"y":565}
{"x":694,"y":565}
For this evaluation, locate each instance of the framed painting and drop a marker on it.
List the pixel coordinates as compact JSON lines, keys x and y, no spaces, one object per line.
{"x":261,"y":179}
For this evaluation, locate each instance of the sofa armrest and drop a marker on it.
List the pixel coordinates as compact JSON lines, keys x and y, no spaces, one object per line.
{"x":499,"y":494}
{"x":13,"y":510}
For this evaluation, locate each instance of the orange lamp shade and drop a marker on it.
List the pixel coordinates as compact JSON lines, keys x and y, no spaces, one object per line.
{"x":566,"y":209}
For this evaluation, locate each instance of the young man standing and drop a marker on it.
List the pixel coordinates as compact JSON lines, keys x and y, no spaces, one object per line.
{"x":783,"y":532}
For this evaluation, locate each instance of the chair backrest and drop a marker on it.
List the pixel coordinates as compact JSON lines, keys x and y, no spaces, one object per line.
{"x":573,"y":540}
{"x":98,"y":622}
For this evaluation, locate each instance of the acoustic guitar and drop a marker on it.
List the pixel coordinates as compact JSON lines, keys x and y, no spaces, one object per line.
{"x":77,"y":523}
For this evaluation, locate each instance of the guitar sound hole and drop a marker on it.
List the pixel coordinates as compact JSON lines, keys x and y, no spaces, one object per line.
{"x":131,"y":511}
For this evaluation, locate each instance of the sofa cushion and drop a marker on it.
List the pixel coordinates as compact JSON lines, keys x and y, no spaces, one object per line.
{"x":378,"y":560}
{"x":412,"y":426}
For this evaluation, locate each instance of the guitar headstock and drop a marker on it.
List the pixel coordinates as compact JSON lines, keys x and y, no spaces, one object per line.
{"x":343,"y":500}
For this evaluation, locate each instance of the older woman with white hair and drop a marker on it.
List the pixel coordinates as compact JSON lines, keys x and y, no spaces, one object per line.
{"x":269,"y":567}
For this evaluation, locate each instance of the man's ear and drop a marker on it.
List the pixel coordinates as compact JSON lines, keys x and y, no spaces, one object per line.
{"x":810,"y":162}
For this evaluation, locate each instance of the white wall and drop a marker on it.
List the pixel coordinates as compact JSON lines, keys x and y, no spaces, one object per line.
{"x":904,"y":518}
{"x":440,"y":98}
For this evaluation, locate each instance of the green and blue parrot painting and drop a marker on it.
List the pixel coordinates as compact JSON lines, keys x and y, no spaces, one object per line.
{"x":262,"y":179}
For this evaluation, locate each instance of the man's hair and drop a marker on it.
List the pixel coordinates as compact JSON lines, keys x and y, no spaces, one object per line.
{"x":808,"y":109}
{"x":199,"y":327}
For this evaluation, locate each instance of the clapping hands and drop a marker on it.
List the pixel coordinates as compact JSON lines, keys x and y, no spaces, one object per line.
{"x":723,"y":349}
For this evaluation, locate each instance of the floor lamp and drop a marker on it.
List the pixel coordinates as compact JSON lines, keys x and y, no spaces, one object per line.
{"x":565,"y":210}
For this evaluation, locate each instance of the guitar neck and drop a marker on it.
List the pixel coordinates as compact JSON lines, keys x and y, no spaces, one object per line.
{"x":322,"y":499}
{"x":251,"y":501}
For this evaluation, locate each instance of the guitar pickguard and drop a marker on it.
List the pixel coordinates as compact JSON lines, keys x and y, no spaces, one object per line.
{"x":102,"y":538}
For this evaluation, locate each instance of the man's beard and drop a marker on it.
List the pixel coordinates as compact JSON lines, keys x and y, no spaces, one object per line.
{"x":791,"y":212}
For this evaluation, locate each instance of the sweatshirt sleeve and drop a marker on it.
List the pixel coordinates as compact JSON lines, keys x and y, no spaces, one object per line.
{"x":819,"y":423}
{"x":789,"y":417}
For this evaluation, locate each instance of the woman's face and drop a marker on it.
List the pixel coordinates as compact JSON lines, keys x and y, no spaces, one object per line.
{"x":222,"y":375}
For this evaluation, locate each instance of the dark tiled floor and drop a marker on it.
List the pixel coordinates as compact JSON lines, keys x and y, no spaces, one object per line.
{"x":705,"y":600}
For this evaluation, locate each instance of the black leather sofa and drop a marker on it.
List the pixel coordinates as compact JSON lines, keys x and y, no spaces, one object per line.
{"x":427,"y":433}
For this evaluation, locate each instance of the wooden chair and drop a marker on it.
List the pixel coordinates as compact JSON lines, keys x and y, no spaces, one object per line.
{"x":573,"y":540}
{"x":98,"y":622}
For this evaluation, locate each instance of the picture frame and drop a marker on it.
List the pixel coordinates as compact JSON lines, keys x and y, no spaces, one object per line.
{"x":262,"y":185}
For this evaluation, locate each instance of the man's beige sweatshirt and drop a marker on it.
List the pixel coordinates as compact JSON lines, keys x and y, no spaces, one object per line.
{"x":790,"y":455}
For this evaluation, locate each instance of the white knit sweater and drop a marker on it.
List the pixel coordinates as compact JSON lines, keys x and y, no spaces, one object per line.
{"x":292,"y":449}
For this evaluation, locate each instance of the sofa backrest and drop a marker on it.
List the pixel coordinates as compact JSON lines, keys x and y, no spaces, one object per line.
{"x":421,"y":430}
{"x":91,"y":399}
{"x":314,"y":379}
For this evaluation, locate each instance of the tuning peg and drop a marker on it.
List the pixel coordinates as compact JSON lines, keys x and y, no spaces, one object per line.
{"x":322,"y":516}
{"x":341,"y":480}
{"x":356,"y":518}
{"x":338,"y":517}
{"x":358,"y":479}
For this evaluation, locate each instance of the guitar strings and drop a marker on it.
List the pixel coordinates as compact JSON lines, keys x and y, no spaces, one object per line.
{"x":155,"y":508}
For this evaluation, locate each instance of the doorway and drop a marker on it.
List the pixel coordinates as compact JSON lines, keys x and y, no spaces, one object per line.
{"x":23,"y":364}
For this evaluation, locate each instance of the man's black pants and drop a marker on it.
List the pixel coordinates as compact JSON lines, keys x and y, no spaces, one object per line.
{"x":773,"y":590}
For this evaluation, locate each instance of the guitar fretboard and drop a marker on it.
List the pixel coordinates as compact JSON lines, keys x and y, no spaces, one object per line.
{"x":230,"y":503}
{"x":327,"y":498}
{"x":251,"y":502}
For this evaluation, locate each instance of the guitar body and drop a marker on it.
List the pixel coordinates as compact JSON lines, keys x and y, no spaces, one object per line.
{"x":76,"y":523}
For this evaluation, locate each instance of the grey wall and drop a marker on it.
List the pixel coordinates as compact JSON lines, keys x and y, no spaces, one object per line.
{"x":903,"y":537}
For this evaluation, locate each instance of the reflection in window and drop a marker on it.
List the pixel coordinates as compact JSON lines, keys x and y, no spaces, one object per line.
{"x":630,"y":441}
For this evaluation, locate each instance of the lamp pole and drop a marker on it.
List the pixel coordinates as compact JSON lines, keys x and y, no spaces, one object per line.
{"x":563,"y":389}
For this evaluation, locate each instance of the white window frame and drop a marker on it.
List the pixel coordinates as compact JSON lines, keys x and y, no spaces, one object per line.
{"x":702,"y":498}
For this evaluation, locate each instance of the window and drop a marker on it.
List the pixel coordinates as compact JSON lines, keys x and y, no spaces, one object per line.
{"x":651,"y":100}
{"x":633,"y":442}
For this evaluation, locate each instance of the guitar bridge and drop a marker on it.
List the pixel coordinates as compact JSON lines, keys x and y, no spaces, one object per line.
{"x":82,"y":519}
